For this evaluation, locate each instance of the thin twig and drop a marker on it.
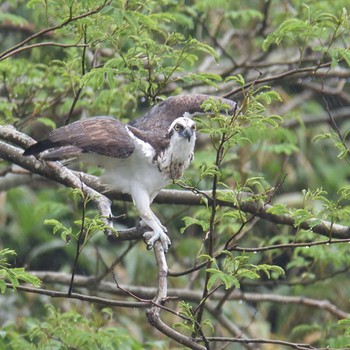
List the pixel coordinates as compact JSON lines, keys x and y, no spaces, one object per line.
{"x":78,"y":296}
{"x":276,"y":78}
{"x":298,"y":346}
{"x":46,"y":43}
{"x":8,"y":52}
{"x":81,"y":236}
{"x":336,"y":128}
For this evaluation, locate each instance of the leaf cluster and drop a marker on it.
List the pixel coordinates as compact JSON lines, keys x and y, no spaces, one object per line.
{"x":285,"y":64}
{"x":13,"y":275}
{"x":235,"y":268}
{"x":69,"y":330}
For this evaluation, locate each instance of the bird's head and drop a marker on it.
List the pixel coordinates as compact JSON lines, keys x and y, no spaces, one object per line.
{"x":183,"y":128}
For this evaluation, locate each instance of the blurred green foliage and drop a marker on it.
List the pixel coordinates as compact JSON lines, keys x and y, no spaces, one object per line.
{"x":118,"y":58}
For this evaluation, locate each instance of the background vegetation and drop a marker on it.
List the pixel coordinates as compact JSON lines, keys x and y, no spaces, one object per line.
{"x":260,"y":255}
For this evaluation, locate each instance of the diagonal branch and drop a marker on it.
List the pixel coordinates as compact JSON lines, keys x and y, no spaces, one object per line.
{"x":51,"y":170}
{"x":46,"y":43}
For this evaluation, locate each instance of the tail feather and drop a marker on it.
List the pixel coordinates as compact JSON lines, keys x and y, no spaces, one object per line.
{"x":39,"y":147}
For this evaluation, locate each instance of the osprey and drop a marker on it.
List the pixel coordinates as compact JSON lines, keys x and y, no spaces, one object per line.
{"x":139,"y":158}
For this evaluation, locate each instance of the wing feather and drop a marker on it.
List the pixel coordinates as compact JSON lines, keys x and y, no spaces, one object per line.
{"x":102,"y":135}
{"x":161,"y":116}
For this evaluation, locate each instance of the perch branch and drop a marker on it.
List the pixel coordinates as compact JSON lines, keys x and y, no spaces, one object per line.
{"x":63,"y":176}
{"x":51,"y":170}
{"x":153,"y":314}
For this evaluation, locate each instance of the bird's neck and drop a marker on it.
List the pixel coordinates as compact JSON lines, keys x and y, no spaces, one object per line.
{"x":173,"y":161}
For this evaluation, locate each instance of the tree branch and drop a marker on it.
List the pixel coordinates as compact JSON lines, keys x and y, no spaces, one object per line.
{"x":153,"y":314}
{"x":339,"y":114}
{"x":296,"y":71}
{"x":232,"y":328}
{"x":47,"y":43}
{"x":297,"y":346}
{"x":325,"y":228}
{"x":78,"y":296}
{"x":51,"y":170}
{"x":61,"y":175}
{"x":191,"y":343}
{"x":14,"y":49}
{"x":186,"y":294}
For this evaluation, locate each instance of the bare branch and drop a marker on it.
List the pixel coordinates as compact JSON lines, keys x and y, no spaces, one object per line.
{"x":292,"y":72}
{"x":145,"y":293}
{"x":265,"y":341}
{"x":46,"y":43}
{"x":325,"y":228}
{"x":78,"y":296}
{"x":191,"y":343}
{"x":228,"y":325}
{"x":153,"y":314}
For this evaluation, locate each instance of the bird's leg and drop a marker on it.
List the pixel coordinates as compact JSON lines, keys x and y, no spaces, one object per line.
{"x":143,"y":223}
{"x":154,"y":216}
{"x":142,"y":202}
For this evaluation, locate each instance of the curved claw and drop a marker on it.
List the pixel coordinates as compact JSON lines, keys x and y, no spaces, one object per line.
{"x":151,"y":237}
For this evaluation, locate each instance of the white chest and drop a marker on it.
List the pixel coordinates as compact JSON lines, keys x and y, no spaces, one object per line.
{"x":173,"y":161}
{"x":125,"y":174}
{"x":141,"y":170}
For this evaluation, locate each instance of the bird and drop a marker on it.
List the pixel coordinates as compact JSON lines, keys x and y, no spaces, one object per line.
{"x":140,"y":158}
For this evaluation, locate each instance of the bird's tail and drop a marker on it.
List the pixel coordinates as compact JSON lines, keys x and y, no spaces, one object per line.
{"x":39,"y":147}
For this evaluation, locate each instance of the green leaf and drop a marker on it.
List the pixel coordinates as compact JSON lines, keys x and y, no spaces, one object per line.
{"x":344,"y":322}
{"x":35,"y":3}
{"x":270,"y":268}
{"x":302,"y":215}
{"x":278,"y":209}
{"x":13,"y":275}
{"x":66,"y":233}
{"x":193,"y":221}
{"x":239,"y":79}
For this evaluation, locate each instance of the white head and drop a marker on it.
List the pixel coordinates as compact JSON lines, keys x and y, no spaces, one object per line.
{"x":183,"y":128}
{"x":178,"y":156}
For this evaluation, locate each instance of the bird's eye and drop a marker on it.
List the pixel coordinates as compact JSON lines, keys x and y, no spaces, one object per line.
{"x":177,"y":127}
{"x":194,"y":127}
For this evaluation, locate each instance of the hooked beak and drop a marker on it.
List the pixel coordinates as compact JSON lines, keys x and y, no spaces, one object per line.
{"x":187,"y":133}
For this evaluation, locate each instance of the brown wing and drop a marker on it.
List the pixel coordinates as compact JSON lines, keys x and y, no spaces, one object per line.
{"x":164,"y":113}
{"x":103,"y":135}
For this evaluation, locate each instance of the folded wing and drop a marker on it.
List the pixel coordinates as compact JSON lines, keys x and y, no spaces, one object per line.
{"x":102,"y":135}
